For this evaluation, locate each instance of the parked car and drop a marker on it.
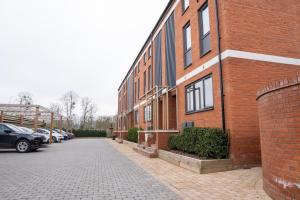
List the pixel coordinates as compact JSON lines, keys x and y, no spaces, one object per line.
{"x":65,"y":136}
{"x":28,"y":130}
{"x":12,"y":137}
{"x":70,"y":135}
{"x":55,"y":136}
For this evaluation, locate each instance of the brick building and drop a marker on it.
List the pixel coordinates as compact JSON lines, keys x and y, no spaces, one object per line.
{"x":202,"y":66}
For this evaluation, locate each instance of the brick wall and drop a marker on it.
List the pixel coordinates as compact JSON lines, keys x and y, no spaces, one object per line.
{"x":279,"y":117}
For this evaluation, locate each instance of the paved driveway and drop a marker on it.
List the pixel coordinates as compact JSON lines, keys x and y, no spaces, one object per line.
{"x":77,"y":169}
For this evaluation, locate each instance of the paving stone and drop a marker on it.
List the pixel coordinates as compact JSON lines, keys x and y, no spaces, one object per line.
{"x":84,"y":169}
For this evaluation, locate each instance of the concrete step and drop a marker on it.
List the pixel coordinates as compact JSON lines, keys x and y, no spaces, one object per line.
{"x":148,"y":151}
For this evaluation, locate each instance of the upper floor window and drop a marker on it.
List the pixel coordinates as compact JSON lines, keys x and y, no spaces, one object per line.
{"x":185,"y":5}
{"x":144,"y":58}
{"x":199,"y":95}
{"x":149,"y":52}
{"x":204,"y":30}
{"x":187,"y":43}
{"x":138,"y":67}
{"x":138,"y":89}
{"x":145,"y":81}
{"x":149,"y":77}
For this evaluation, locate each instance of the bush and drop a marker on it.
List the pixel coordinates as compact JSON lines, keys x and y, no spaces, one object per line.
{"x":133,"y":135}
{"x":89,"y":133}
{"x":205,"y":142}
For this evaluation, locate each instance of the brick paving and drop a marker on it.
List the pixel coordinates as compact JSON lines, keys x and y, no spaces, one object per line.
{"x":237,"y":184}
{"x":78,"y":169}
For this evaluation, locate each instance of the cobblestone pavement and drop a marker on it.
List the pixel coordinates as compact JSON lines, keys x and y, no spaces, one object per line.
{"x":243,"y":184}
{"x":77,"y":169}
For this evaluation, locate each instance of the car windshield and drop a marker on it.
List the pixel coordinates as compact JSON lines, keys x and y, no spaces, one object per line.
{"x":27,"y":130}
{"x":15,"y":128}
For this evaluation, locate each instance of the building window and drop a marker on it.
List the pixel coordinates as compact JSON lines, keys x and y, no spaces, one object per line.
{"x":149,"y":78}
{"x":199,"y":95}
{"x":135,"y":92}
{"x":138,"y":89}
{"x":145,"y":81}
{"x":138,"y":67}
{"x":136,"y":117}
{"x":149,"y":52}
{"x":187,"y":42}
{"x":144,"y":58}
{"x":148,"y":113}
{"x":185,"y":5}
{"x":204,"y":30}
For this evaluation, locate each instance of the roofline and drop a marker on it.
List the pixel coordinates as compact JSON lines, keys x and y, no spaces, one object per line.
{"x":149,"y":37}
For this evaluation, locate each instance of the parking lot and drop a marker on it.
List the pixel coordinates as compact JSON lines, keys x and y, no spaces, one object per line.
{"x":78,"y":169}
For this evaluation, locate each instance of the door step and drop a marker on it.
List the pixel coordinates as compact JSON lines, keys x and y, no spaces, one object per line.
{"x":146,"y":151}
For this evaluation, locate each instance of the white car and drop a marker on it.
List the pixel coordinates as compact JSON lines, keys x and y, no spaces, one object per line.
{"x":56,"y":137}
{"x":28,"y":130}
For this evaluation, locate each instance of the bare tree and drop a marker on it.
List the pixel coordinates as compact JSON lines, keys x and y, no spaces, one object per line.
{"x":24,"y":98}
{"x":105,"y":122}
{"x":85,"y":109}
{"x":91,"y":115}
{"x":88,"y":109}
{"x":56,"y":108}
{"x":69,"y":101}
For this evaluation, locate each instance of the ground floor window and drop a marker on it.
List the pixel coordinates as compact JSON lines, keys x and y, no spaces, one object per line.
{"x":199,"y":95}
{"x":148,"y":113}
{"x":136,"y":117}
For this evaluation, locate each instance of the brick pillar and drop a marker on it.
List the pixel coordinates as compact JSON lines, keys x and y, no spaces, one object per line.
{"x":279,"y":119}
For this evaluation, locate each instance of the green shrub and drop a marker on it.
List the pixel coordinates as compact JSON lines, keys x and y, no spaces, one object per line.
{"x":133,"y":135}
{"x":89,"y":133}
{"x":205,"y":142}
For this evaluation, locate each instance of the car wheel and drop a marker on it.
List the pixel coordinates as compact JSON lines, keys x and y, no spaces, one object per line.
{"x":23,"y":146}
{"x":54,"y":139}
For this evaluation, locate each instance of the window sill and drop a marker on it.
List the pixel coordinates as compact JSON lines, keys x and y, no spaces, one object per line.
{"x":185,"y":67}
{"x":202,"y":55}
{"x":199,"y":111}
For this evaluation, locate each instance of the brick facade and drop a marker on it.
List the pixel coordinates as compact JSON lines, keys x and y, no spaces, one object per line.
{"x":258,"y":45}
{"x":279,"y":117}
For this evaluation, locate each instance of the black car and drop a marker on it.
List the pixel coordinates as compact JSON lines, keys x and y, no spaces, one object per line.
{"x":12,"y":137}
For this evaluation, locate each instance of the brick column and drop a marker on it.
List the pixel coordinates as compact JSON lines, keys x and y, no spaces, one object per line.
{"x":279,"y":118}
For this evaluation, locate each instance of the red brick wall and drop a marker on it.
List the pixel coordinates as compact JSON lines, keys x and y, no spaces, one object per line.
{"x":279,"y":117}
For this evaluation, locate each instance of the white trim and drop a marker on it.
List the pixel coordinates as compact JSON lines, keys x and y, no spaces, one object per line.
{"x":260,"y":57}
{"x":239,"y":54}
{"x":139,"y":104}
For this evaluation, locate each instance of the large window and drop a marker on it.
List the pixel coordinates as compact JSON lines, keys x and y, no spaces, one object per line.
{"x":187,"y":42}
{"x":185,"y":5}
{"x":204,"y":30}
{"x":150,"y":78}
{"x":148,"y":113}
{"x":145,"y":81}
{"x":199,"y":95}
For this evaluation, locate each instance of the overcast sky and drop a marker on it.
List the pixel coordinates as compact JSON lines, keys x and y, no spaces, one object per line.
{"x":48,"y":47}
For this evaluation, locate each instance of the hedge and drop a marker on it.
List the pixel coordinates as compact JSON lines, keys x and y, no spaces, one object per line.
{"x":89,"y":133}
{"x":133,"y":135}
{"x":205,"y":142}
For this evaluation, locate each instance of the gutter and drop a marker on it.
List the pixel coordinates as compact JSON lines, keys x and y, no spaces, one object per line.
{"x":220,"y":67}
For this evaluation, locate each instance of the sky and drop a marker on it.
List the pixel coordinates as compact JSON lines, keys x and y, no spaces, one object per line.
{"x":49,"y":47}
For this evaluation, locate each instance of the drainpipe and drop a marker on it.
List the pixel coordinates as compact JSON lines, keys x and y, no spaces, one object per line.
{"x":220,"y":66}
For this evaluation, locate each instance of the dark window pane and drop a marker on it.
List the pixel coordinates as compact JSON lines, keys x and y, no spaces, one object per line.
{"x":205,"y":44}
{"x":188,"y":58}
